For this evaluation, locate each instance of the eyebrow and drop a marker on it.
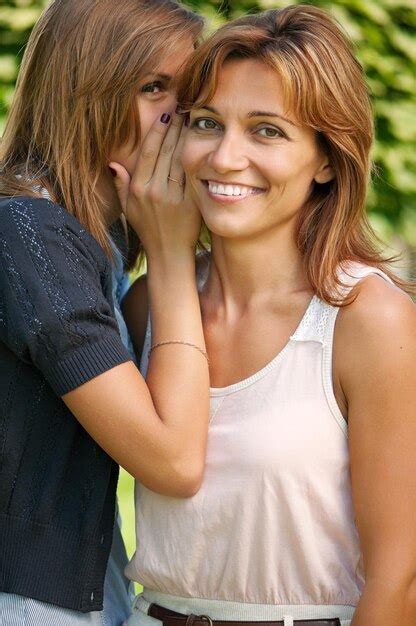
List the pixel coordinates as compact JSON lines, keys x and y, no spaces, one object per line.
{"x":255,"y":114}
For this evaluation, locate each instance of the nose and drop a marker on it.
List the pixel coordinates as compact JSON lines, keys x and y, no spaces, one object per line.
{"x":228,"y":154}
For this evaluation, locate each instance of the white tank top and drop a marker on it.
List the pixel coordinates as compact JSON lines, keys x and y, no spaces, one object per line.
{"x":273,"y":522}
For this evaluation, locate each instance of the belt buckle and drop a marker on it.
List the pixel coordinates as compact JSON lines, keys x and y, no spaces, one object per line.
{"x":206,"y":618}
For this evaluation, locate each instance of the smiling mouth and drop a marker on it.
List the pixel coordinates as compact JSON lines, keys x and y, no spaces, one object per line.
{"x":230,"y":190}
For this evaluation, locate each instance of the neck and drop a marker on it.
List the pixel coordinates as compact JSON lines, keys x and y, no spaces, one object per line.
{"x":246,"y":273}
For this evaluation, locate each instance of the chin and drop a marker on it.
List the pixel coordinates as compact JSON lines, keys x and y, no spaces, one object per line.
{"x":227,"y":228}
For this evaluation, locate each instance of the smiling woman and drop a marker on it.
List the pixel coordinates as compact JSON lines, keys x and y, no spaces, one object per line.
{"x":309,"y":95}
{"x":306,"y":512}
{"x":260,"y":160}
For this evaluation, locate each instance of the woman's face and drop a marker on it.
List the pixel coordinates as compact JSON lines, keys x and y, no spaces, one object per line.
{"x":249,"y":164}
{"x":156,"y":95}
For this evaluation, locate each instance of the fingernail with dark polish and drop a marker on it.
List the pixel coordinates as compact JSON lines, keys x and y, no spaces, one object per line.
{"x":165,"y":118}
{"x":113,"y":171}
{"x":178,"y":109}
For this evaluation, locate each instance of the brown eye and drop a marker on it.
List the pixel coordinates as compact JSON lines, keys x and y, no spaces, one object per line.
{"x":205,"y":123}
{"x":270,"y":132}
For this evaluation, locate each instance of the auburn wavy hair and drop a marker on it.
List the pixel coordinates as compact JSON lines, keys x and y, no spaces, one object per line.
{"x":75,"y":97}
{"x":325,"y":89}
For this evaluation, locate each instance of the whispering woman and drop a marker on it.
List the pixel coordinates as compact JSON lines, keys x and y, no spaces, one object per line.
{"x":95,"y":85}
{"x":306,"y":514}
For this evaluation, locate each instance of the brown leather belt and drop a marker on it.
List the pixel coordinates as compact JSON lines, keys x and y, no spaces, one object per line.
{"x":171,"y":618}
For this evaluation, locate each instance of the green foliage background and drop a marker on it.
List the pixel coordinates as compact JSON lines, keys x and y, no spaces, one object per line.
{"x":384,"y":32}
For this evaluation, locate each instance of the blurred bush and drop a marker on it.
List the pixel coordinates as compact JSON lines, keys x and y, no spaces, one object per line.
{"x":384,"y":34}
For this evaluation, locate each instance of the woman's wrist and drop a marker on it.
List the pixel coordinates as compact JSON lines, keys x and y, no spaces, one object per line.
{"x":163,"y":264}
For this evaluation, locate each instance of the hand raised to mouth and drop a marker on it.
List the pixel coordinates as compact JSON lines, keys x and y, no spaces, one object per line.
{"x":155,"y":199}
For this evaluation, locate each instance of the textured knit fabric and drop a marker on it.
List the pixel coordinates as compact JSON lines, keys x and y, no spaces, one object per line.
{"x":273,"y":523}
{"x":18,"y":610}
{"x":57,"y":331}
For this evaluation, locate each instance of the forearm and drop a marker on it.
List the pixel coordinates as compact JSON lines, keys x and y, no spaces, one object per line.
{"x":173,"y":300}
{"x":178,"y":375}
{"x":386,"y":604}
{"x":165,"y":421}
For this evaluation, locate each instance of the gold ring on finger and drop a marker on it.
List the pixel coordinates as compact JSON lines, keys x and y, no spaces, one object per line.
{"x":175,"y":180}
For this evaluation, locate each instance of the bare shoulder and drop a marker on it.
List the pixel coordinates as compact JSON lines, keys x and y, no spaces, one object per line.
{"x":375,"y":333}
{"x":378,"y":310}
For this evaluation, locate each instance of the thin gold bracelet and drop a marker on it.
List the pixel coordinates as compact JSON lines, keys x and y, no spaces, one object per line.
{"x":177,"y":341}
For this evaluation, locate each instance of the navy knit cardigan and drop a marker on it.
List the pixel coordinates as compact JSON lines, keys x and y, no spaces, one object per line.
{"x":57,"y":331}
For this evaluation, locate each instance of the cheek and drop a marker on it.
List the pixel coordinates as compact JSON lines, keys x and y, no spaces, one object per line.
{"x":188,"y":156}
{"x":126,"y":156}
{"x":148,"y":113}
{"x":194,"y":154}
{"x":290,"y":168}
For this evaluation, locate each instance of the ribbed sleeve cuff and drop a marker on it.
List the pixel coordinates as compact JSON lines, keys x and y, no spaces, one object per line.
{"x":86,"y":363}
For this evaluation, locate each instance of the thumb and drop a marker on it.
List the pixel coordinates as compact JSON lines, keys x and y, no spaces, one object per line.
{"x":122,"y":180}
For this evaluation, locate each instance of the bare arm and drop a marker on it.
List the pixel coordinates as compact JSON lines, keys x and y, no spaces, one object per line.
{"x":377,"y":372}
{"x":135,"y":307}
{"x":158,"y":430}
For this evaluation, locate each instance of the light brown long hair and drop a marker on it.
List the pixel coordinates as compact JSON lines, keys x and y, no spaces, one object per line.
{"x":325,"y":89}
{"x":75,"y":95}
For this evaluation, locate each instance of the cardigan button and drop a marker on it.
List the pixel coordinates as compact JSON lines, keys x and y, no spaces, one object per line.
{"x":92,"y":596}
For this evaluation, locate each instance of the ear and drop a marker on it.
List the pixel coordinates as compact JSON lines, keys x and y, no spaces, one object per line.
{"x":325,"y":173}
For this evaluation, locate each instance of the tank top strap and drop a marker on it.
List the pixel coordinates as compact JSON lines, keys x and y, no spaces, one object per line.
{"x":352,"y":272}
{"x":315,"y":322}
{"x":319,"y":320}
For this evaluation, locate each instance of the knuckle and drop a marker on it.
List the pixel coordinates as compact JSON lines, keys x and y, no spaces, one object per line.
{"x":155,"y":195}
{"x":137,"y":189}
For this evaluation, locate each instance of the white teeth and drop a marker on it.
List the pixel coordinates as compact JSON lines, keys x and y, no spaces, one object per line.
{"x":230,"y":190}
